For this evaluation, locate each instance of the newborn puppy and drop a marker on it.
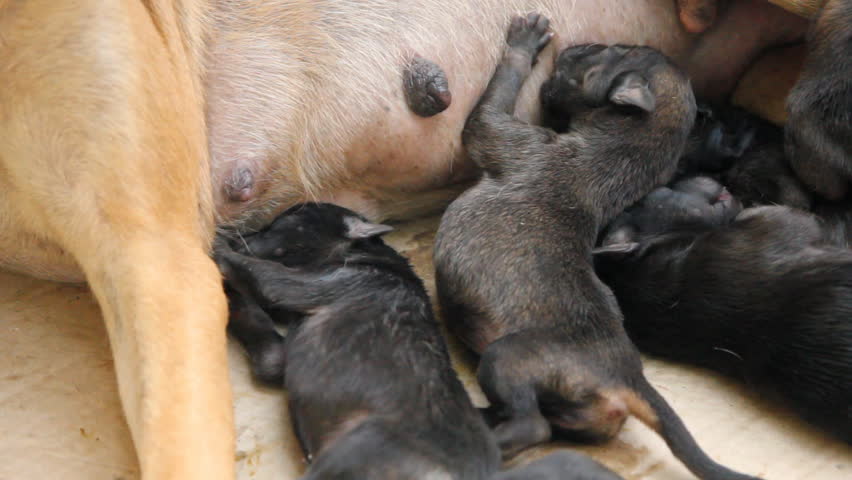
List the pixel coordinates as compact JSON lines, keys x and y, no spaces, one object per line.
{"x":760,"y":297}
{"x":691,"y":203}
{"x":513,"y":253}
{"x":372,"y":393}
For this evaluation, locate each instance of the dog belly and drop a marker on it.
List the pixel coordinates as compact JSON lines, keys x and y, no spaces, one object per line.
{"x":305,"y":99}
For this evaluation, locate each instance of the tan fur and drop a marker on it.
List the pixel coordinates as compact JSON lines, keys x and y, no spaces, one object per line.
{"x":763,"y":89}
{"x":104,"y":166}
{"x":803,"y":8}
{"x":640,"y":409}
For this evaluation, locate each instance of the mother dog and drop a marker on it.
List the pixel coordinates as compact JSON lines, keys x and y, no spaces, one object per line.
{"x":130,"y":129}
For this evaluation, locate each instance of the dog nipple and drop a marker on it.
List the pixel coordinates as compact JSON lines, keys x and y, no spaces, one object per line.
{"x":240,"y":187}
{"x":427,"y":91}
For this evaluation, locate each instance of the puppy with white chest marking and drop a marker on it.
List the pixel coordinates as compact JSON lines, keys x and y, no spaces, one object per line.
{"x":513,"y":253}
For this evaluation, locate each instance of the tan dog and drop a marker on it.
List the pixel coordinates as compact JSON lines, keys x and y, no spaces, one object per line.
{"x":125,"y":125}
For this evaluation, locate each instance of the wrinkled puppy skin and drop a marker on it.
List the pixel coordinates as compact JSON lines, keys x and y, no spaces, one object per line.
{"x":697,"y":287}
{"x":513,"y":253}
{"x":819,"y":124}
{"x":389,"y":404}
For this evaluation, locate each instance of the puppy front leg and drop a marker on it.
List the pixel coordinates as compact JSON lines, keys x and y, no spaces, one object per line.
{"x":273,"y":285}
{"x":255,"y":331}
{"x":491,"y":124}
{"x":526,"y":38}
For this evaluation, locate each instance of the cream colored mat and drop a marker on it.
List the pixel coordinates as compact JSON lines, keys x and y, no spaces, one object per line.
{"x":60,"y":416}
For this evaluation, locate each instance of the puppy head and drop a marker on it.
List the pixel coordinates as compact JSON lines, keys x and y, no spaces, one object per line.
{"x":697,"y":203}
{"x":311,"y":233}
{"x":632,"y":79}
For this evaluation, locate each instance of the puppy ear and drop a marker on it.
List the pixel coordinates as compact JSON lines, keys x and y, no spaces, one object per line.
{"x":618,"y":243}
{"x":632,"y":89}
{"x":616,"y":250}
{"x":621,"y":231}
{"x":357,"y":228}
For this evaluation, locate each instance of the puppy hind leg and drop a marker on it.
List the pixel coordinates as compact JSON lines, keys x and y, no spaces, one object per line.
{"x":514,"y":406}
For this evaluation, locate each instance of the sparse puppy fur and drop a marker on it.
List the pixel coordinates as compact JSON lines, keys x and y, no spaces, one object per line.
{"x":389,"y":404}
{"x":819,"y":124}
{"x":760,"y":297}
{"x":513,"y":253}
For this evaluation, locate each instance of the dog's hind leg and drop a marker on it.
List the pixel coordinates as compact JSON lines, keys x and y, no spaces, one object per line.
{"x":104,"y":157}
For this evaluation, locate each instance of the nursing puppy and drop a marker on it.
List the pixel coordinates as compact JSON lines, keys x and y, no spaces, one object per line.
{"x":513,"y":253}
{"x":760,"y":297}
{"x":387,"y":403}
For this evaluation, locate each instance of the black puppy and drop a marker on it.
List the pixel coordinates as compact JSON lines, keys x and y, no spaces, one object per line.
{"x":372,"y":393}
{"x":761,"y":297}
{"x":513,"y":253}
{"x":819,"y":124}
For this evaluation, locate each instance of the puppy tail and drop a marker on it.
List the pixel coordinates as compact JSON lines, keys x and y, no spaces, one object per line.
{"x":651,"y":408}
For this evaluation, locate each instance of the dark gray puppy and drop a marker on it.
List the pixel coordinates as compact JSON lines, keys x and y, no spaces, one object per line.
{"x":819,"y":125}
{"x":513,"y":253}
{"x":372,"y":392}
{"x":761,"y":297}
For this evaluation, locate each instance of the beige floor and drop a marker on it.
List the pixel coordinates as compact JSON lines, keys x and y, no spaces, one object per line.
{"x":60,"y":416}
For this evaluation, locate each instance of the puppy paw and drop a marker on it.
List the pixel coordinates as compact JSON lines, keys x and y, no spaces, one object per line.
{"x":529,"y":34}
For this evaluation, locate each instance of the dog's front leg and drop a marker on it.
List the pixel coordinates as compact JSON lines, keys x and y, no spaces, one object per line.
{"x":104,"y":155}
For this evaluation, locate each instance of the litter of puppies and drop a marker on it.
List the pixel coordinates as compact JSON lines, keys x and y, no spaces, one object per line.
{"x":621,"y":225}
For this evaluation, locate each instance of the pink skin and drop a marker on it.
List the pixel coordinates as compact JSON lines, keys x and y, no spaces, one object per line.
{"x":327,"y":120}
